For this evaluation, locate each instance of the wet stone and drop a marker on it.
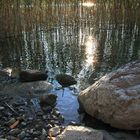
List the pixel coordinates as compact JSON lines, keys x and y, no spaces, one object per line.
{"x":43,"y":137}
{"x":11,"y":121}
{"x":74,"y":123}
{"x":23,"y":123}
{"x":54,"y":131}
{"x":36,"y":133}
{"x":10,"y":138}
{"x":27,"y":138}
{"x":30,"y":119}
{"x":44,"y":117}
{"x":14,"y":131}
{"x":2,"y":108}
{"x":36,"y":139}
{"x":22,"y":135}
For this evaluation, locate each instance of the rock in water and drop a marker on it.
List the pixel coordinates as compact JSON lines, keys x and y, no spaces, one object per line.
{"x":65,"y":80}
{"x":32,"y":75}
{"x":115,"y":98}
{"x":48,"y":99}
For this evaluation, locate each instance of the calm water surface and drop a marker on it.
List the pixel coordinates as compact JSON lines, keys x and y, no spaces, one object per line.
{"x":84,"y":39}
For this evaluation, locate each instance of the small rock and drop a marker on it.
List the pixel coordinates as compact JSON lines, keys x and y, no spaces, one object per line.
{"x":56,"y":113}
{"x":22,"y":135}
{"x":36,"y":133}
{"x":11,"y":121}
{"x":31,"y":131}
{"x":36,"y":139}
{"x":54,"y":131}
{"x":46,"y":109}
{"x":2,"y":108}
{"x":61,"y":118}
{"x":27,"y":138}
{"x":10,"y":138}
{"x":43,"y":137}
{"x":39,"y":113}
{"x":14,"y":132}
{"x":44,"y":117}
{"x":44,"y":132}
{"x":30,"y":119}
{"x":49,"y":126}
{"x":21,"y":118}
{"x":74,"y":123}
{"x":23,"y":123}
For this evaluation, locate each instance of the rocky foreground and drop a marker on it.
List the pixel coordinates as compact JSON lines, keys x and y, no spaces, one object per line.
{"x":26,"y":120}
{"x":28,"y":113}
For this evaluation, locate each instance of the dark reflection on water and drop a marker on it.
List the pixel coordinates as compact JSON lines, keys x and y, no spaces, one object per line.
{"x":86,"y":41}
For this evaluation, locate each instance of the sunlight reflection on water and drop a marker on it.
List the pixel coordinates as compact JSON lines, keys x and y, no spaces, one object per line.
{"x":90,"y":49}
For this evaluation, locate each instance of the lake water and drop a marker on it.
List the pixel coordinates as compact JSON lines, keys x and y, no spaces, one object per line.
{"x":83,"y":39}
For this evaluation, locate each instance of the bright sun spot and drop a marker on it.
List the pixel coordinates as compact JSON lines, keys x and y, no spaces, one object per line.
{"x":90,"y":49}
{"x":88,"y":4}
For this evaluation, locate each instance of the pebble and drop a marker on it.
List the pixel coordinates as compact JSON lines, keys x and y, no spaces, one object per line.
{"x":23,"y":123}
{"x":43,"y":137}
{"x":22,"y":135}
{"x":36,"y":133}
{"x":30,"y":119}
{"x":36,"y":139}
{"x":30,"y":127}
{"x":54,"y":131}
{"x":11,"y":121}
{"x":49,"y":126}
{"x":10,"y":138}
{"x":2,"y":108}
{"x":14,"y":131}
{"x":27,"y":138}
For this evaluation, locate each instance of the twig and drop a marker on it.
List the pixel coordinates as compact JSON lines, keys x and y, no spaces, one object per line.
{"x":11,"y":108}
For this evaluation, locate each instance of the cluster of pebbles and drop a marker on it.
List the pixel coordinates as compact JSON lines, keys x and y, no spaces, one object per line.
{"x":27,"y":120}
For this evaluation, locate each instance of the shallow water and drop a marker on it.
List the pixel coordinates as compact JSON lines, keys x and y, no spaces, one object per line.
{"x":66,"y":103}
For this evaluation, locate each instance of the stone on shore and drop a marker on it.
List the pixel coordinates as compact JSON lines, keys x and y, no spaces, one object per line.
{"x":115,"y":98}
{"x":33,"y":89}
{"x":6,"y":72}
{"x":80,"y":133}
{"x":32,"y":75}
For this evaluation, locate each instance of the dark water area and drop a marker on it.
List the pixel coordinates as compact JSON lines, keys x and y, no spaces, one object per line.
{"x":83,"y":39}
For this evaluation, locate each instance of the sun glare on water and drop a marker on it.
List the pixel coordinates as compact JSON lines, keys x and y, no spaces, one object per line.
{"x":88,"y":4}
{"x":90,"y":49}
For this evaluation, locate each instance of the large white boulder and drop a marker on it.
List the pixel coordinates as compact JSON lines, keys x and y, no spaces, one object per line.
{"x":115,"y":98}
{"x":80,"y":133}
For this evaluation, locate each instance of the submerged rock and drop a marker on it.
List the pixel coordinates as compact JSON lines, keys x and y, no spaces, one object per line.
{"x":115,"y":98}
{"x":32,"y":75}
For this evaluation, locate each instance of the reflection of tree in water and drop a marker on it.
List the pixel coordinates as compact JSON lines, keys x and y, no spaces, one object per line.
{"x":51,"y":34}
